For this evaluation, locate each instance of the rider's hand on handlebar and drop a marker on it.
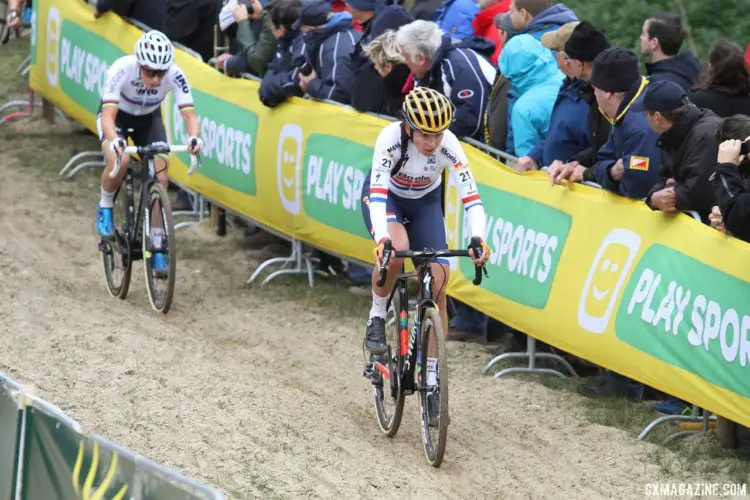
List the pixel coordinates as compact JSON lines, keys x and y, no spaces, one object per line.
{"x":195,"y":145}
{"x":379,"y":251}
{"x":118,"y":146}
{"x":478,"y":243}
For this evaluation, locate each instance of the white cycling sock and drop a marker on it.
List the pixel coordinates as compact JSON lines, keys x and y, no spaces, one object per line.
{"x":157,"y":235}
{"x":432,"y":371}
{"x":378,"y":306}
{"x":107,"y":200}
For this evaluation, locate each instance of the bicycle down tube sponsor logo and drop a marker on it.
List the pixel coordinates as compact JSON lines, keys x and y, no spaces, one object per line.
{"x":83,"y":74}
{"x":334,"y":173}
{"x":526,"y":240}
{"x":690,"y":315}
{"x":229,"y":134}
{"x":606,"y":277}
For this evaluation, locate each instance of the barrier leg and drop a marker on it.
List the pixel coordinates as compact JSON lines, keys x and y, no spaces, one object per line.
{"x":25,"y":66}
{"x":99,"y":162}
{"x":693,"y":417}
{"x":301,"y":262}
{"x":532,"y":356}
{"x":198,"y":211}
{"x":29,"y":105}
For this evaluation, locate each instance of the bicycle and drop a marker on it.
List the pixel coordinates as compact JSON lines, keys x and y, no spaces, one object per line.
{"x":404,"y":368}
{"x":132,"y":240}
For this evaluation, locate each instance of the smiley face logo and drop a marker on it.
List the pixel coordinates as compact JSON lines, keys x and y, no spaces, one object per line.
{"x":54,"y":23}
{"x":606,"y":278}
{"x":289,"y":167}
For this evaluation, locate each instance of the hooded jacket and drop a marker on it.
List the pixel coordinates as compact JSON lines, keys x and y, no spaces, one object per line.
{"x":634,"y":142}
{"x":370,"y":92}
{"x":455,"y":17}
{"x":328,"y":50}
{"x":461,"y":71}
{"x":683,"y":69}
{"x":535,"y":82}
{"x":257,"y":48}
{"x":484,"y":26}
{"x":568,"y":128}
{"x":549,"y":20}
{"x":688,"y":156}
{"x":280,"y":80}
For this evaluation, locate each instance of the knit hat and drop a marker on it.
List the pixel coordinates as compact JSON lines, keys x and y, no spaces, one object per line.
{"x":585,"y":42}
{"x":364,"y":5}
{"x":555,"y":40}
{"x":615,"y":70}
{"x":314,"y":13}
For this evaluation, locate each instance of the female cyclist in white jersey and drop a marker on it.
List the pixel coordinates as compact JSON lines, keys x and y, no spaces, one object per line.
{"x":406,"y":183}
{"x":135,"y":88}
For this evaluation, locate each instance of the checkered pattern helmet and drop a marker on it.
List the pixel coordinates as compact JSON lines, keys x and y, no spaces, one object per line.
{"x":154,"y":50}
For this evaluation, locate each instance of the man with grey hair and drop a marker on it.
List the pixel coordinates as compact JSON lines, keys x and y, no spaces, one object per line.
{"x":458,"y":69}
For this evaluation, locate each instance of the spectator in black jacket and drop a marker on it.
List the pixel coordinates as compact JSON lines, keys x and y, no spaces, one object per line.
{"x":688,"y":148}
{"x":731,"y":180}
{"x":661,"y":38}
{"x":725,"y":87}
{"x":370,"y":88}
{"x":329,"y":41}
{"x":254,"y":40}
{"x":152,"y":13}
{"x":280,"y":80}
{"x":191,"y":23}
{"x":384,"y":53}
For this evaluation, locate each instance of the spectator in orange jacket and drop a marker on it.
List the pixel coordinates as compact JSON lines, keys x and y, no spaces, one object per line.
{"x":484,"y":23}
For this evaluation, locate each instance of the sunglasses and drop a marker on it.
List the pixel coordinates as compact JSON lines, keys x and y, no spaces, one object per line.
{"x":154,"y":73}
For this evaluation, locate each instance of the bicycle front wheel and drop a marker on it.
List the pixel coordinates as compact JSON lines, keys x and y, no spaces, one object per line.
{"x":116,"y":253}
{"x":433,"y":399}
{"x":389,"y":397}
{"x":159,"y":280}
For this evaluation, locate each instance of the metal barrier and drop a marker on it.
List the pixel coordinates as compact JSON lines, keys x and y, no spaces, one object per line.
{"x":26,"y":400}
{"x":495,"y":153}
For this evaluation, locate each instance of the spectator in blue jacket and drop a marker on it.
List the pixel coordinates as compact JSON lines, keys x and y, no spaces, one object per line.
{"x":628,"y":163}
{"x":661,"y":39}
{"x":329,"y":42}
{"x":280,"y":80}
{"x":537,"y":17}
{"x":535,"y":82}
{"x":455,"y":18}
{"x":568,"y":128}
{"x":459,"y":69}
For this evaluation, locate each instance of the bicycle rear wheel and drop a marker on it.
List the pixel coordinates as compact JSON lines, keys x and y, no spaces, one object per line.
{"x":116,"y":254}
{"x":434,"y":436}
{"x":389,"y":397}
{"x":160,"y":285}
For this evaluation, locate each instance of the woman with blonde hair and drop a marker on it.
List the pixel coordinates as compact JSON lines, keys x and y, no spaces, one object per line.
{"x":388,"y":62}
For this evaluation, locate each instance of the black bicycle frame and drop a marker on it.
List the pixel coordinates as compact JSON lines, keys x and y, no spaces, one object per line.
{"x":147,"y":176}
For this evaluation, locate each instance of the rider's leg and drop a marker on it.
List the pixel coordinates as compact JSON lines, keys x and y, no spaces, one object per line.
{"x":375,"y":335}
{"x":160,"y":262}
{"x":105,"y":218}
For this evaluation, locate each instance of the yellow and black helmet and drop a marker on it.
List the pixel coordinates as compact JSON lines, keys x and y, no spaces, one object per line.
{"x":427,"y":110}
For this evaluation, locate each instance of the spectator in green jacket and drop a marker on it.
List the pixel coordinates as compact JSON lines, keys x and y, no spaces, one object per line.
{"x":256,"y":46}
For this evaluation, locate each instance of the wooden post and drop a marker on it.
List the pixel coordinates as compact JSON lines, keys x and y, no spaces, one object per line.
{"x":48,"y":111}
{"x":726,"y":431}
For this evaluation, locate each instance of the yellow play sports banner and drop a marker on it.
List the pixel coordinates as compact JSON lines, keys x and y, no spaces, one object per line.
{"x":659,"y":298}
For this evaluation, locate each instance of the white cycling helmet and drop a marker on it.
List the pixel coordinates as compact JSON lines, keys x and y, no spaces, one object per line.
{"x":154,"y":50}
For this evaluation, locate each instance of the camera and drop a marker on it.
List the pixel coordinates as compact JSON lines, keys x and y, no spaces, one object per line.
{"x":744,"y":148}
{"x":303,"y":66}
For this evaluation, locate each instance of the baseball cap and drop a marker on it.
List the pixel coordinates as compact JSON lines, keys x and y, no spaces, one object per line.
{"x":556,"y":40}
{"x":504,"y":22}
{"x":660,"y":96}
{"x":314,"y":13}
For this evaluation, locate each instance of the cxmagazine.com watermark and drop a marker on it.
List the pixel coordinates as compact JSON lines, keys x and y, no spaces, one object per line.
{"x":692,"y":490}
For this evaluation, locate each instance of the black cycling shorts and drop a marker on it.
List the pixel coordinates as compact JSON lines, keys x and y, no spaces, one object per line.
{"x":146,"y":129}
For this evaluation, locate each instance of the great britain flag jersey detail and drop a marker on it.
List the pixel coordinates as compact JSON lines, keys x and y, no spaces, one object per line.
{"x":418,"y":176}
{"x":125,"y":89}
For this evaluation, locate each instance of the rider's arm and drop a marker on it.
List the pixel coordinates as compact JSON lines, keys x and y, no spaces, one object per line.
{"x":184,"y":100}
{"x":387,"y":152}
{"x":467,"y":186}
{"x":116,"y":77}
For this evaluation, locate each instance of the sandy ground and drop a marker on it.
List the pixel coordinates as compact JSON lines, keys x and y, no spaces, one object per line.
{"x":258,"y":395}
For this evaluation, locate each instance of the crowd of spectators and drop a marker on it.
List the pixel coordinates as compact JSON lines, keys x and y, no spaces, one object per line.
{"x":526,"y":77}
